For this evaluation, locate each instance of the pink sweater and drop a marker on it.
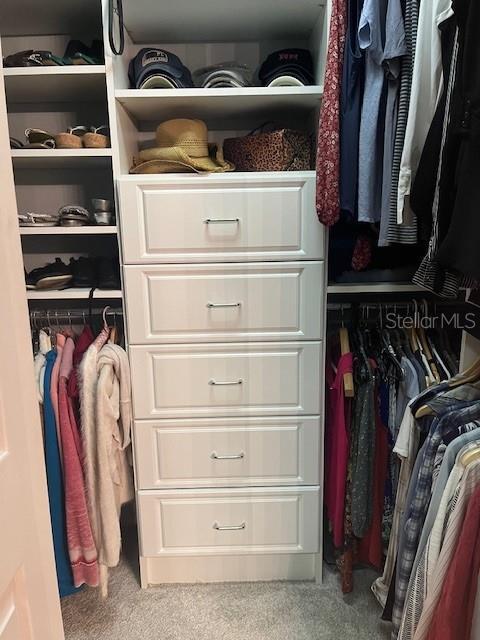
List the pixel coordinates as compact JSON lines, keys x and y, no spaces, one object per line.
{"x":81,"y":546}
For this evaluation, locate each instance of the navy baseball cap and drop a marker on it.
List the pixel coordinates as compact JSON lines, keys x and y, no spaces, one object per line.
{"x":157,"y":68}
{"x":287,"y":67}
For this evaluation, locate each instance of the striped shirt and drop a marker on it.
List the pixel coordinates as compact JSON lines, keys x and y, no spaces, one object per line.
{"x":405,"y":234}
{"x":421,"y":498}
{"x":468,"y":484}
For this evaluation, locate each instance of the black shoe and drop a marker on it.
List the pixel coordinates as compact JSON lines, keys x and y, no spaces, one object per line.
{"x":55,"y":275}
{"x":108,"y":272}
{"x":83,"y":271}
{"x":29,"y":281}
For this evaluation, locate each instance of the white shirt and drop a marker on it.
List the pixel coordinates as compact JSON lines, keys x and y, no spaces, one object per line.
{"x":427,"y":86}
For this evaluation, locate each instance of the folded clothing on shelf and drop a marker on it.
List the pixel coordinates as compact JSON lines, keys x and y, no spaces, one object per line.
{"x":225,"y":74}
{"x":158,"y":69}
{"x":287,"y":68}
{"x":181,"y":146}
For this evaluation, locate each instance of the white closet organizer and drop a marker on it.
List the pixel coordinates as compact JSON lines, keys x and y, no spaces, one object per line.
{"x":224,"y":279}
{"x":225,"y":297}
{"x":54,"y":98}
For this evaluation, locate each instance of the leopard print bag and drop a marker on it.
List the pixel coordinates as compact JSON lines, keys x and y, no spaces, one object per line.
{"x":281,"y":150}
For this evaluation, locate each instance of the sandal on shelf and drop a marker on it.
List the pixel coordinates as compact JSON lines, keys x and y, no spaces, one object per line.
{"x":30,"y":219}
{"x":97,"y":138}
{"x":74,"y":216}
{"x":15,"y":143}
{"x":39,"y":139}
{"x":72,"y":139}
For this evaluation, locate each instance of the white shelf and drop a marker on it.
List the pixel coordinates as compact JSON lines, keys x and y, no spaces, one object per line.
{"x":148,"y":21}
{"x":373,"y":287}
{"x":74,"y":83}
{"x":60,"y":158}
{"x":225,"y":104}
{"x":68,"y":231}
{"x":73,"y":294}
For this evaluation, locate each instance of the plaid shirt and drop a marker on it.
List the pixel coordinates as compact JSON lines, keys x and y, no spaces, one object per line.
{"x":456,"y":414}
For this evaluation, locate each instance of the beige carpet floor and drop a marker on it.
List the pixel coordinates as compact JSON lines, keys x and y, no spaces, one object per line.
{"x":249,"y":611}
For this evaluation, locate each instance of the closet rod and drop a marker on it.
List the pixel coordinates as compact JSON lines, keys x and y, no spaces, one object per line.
{"x":62,"y":315}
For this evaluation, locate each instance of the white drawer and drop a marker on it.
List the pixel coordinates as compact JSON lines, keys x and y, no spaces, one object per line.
{"x":227,"y":302}
{"x":228,"y":218}
{"x":192,"y":381}
{"x":229,"y":521}
{"x":227,"y":452}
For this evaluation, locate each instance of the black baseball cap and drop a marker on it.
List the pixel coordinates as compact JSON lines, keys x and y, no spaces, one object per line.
{"x":287,"y":67}
{"x":157,"y":68}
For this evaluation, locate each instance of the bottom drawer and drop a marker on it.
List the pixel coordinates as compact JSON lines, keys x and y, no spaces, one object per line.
{"x":229,"y":521}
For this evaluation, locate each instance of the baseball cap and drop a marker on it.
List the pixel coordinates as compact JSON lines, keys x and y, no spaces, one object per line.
{"x":158,"y":69}
{"x":287,"y":68}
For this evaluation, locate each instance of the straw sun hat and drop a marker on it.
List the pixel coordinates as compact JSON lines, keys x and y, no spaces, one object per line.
{"x":182,"y":146}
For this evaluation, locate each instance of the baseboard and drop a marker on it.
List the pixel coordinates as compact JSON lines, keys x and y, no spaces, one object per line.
{"x":241,"y":568}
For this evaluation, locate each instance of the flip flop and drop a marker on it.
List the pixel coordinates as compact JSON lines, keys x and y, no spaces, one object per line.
{"x":30,"y":219}
{"x":97,"y":138}
{"x":39,"y":139}
{"x":72,"y":139}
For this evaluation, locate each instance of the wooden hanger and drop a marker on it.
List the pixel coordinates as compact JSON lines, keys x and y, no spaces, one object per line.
{"x":470,"y":456}
{"x":347,"y":377}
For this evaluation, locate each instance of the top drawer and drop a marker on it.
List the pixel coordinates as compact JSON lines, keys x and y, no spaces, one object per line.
{"x":226,"y":218}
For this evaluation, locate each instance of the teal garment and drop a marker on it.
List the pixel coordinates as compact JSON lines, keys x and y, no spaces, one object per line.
{"x":56,"y":495}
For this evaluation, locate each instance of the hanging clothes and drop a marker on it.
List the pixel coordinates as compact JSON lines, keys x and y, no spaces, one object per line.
{"x":55,"y":486}
{"x":405,"y":233}
{"x":81,"y":546}
{"x":458,"y":247}
{"x":39,"y":362}
{"x":59,"y":344}
{"x":454,"y":613}
{"x":350,"y":111}
{"x":394,"y":50}
{"x":469,"y":482}
{"x":106,"y":427}
{"x":425,"y":93}
{"x":337,"y":445}
{"x":371,"y":37}
{"x":328,"y":143}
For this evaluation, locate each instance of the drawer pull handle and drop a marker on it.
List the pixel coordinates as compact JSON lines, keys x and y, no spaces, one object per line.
{"x":222,"y":221}
{"x":237,"y":456}
{"x":224,"y":305}
{"x":237,"y":527}
{"x":215,"y":383}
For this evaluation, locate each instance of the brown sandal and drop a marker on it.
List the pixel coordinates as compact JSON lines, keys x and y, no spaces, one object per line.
{"x":97,"y":138}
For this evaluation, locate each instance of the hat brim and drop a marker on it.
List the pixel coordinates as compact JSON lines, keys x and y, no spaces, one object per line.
{"x":175,"y":159}
{"x":158,"y":81}
{"x":286,"y":81}
{"x":293,"y":70}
